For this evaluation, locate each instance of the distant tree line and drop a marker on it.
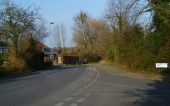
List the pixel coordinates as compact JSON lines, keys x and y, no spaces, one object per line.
{"x":124,"y":36}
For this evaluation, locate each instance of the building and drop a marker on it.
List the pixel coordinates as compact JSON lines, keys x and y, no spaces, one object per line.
{"x":70,"y":59}
{"x":48,"y":54}
{"x":55,"y":56}
{"x":3,"y":48}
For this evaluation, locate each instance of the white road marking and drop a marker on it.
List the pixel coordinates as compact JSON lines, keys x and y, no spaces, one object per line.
{"x":60,"y":104}
{"x":87,"y":94}
{"x":98,"y":74}
{"x":77,"y":93}
{"x":68,"y":99}
{"x":80,"y":100}
{"x":74,"y":105}
{"x":85,"y":87}
{"x":90,"y":84}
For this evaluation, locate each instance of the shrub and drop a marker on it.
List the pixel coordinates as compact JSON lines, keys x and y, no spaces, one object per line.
{"x":14,"y":63}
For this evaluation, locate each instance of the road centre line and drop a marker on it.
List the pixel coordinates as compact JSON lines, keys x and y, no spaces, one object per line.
{"x":98,"y":74}
{"x":60,"y":104}
{"x":74,"y":105}
{"x":80,"y":100}
{"x":68,"y":99}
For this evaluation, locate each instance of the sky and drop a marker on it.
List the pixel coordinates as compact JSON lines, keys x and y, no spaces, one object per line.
{"x":63,"y":11}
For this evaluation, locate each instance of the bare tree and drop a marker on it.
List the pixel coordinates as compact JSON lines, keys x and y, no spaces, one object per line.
{"x":17,"y":23}
{"x":120,"y":13}
{"x":40,"y":30}
{"x":63,"y":37}
{"x":22,"y":28}
{"x":81,"y":29}
{"x":57,"y":36}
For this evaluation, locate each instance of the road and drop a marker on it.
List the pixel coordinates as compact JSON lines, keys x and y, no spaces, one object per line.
{"x":83,"y":86}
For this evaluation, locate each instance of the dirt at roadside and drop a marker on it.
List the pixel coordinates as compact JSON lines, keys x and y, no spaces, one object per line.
{"x":118,"y":71}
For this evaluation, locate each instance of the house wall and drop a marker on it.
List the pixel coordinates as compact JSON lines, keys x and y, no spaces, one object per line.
{"x":70,"y":59}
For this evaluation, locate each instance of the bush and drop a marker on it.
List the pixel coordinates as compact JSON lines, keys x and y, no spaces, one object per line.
{"x":29,"y":57}
{"x":34,"y":60}
{"x":93,"y":58}
{"x":154,"y":42}
{"x":13,"y":63}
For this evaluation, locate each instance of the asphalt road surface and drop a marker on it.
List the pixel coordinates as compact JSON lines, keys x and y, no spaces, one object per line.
{"x":83,"y":86}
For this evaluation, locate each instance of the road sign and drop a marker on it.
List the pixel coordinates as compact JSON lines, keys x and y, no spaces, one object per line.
{"x":51,"y":56}
{"x":46,"y":50}
{"x":161,"y":65}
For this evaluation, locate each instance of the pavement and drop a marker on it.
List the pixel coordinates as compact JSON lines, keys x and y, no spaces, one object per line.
{"x":95,"y":85}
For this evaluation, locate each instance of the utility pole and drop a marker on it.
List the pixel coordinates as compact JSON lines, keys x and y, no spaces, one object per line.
{"x":51,"y":23}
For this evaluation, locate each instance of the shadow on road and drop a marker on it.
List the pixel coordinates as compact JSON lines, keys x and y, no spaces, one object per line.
{"x":157,"y":94}
{"x":15,"y":77}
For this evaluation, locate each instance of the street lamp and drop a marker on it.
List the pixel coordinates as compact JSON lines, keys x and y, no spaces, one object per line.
{"x":51,"y":23}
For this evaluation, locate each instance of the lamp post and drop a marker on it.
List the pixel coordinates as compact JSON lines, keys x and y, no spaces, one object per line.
{"x":51,"y":23}
{"x":51,"y":55}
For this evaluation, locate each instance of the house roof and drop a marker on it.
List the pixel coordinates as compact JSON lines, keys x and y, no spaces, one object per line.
{"x":2,"y":44}
{"x":41,"y":45}
{"x":2,"y":47}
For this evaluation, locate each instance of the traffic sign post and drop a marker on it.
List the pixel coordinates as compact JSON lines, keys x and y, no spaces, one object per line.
{"x":162,"y":65}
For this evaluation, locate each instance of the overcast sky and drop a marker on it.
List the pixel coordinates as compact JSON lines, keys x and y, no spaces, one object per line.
{"x":63,"y":11}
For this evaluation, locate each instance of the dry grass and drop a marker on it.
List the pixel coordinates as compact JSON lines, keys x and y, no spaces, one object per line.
{"x":14,"y":63}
